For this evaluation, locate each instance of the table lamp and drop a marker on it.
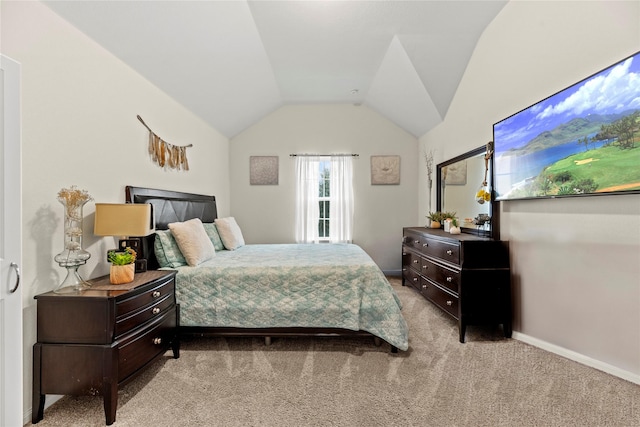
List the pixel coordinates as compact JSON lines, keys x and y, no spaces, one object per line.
{"x":128,"y":221}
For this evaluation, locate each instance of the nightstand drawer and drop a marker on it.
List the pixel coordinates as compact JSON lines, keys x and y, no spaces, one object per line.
{"x":145,"y":344}
{"x":130,"y":321}
{"x":139,"y":300}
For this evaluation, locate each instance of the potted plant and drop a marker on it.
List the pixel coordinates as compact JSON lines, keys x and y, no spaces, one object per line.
{"x":447,"y":217}
{"x":435,"y":218}
{"x":454,"y":228}
{"x":123,"y":266}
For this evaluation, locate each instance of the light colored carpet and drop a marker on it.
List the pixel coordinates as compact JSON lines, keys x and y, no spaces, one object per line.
{"x":489,"y":381}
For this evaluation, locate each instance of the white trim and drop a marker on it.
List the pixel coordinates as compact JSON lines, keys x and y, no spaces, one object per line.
{"x":577,"y":357}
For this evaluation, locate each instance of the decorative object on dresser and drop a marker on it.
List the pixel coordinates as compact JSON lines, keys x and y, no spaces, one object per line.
{"x":93,"y":342}
{"x":126,"y":220}
{"x":465,"y":275}
{"x":72,"y":256}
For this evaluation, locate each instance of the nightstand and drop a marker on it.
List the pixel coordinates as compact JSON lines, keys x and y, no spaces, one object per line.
{"x":93,"y":342}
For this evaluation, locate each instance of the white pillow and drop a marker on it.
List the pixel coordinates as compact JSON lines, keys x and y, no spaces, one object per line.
{"x":229,"y":232}
{"x":193,"y":241}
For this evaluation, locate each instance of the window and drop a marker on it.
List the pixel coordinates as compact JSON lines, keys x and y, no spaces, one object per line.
{"x":324,"y":199}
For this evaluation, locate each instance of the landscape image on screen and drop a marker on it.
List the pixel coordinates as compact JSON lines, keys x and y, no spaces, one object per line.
{"x":584,"y":140}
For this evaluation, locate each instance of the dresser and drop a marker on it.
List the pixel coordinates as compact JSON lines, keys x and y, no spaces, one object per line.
{"x":465,"y":275}
{"x":95,"y":341}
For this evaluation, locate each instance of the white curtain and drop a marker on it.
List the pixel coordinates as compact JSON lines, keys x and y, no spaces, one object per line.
{"x":307,"y":203}
{"x":341,"y":206}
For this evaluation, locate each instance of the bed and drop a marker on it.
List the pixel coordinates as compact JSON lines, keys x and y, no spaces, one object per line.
{"x":272,"y":290}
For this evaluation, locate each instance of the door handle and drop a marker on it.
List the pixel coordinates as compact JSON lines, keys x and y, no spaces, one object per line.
{"x":15,"y":266}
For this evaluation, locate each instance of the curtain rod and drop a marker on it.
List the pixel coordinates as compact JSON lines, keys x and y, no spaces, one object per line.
{"x":324,"y":155}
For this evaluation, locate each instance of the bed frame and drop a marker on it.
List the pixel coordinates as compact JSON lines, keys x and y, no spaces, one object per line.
{"x":174,"y":206}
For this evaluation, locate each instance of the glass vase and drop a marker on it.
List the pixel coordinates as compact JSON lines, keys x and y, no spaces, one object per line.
{"x":72,"y":256}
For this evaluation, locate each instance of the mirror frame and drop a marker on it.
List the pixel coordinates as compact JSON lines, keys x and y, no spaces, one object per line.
{"x":494,"y":209}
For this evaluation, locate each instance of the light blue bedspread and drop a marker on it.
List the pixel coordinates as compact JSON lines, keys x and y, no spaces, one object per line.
{"x":292,"y":285}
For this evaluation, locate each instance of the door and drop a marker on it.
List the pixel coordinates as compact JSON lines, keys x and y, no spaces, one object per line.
{"x":10,"y":247}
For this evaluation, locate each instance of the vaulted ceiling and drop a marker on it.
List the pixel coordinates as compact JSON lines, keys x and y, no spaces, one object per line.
{"x":233,"y":62}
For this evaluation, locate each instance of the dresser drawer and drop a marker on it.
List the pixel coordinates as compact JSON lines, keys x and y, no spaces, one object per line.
{"x":134,"y":319}
{"x":411,"y":277}
{"x":443,"y":299}
{"x":446,"y":251}
{"x":143,"y":345}
{"x":444,"y":276}
{"x":139,"y":300}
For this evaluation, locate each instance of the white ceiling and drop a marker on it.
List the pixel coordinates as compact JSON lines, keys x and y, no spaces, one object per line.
{"x":233,"y":62}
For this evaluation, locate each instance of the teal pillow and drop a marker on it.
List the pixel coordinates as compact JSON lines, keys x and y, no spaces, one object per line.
{"x":212,"y":232}
{"x":167,"y":250}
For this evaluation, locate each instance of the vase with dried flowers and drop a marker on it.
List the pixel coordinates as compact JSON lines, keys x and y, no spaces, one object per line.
{"x":72,"y":256}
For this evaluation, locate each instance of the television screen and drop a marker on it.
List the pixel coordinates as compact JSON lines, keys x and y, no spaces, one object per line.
{"x":584,"y":140}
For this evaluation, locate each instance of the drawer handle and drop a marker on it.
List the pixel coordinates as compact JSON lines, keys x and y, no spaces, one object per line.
{"x":424,"y":245}
{"x":155,"y":294}
{"x":157,"y":341}
{"x":155,"y":310}
{"x":415,"y":261}
{"x":404,"y":253}
{"x":416,"y":241}
{"x":449,"y":252}
{"x":449,"y":302}
{"x":424,"y":267}
{"x":404,"y":268}
{"x":415,"y":279}
{"x":449,"y":279}
{"x":424,"y":286}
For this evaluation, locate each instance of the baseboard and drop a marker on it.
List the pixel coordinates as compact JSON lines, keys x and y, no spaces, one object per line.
{"x":577,"y":357}
{"x":392,"y":273}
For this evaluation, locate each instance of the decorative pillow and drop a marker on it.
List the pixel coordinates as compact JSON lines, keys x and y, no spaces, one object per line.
{"x":193,"y":241}
{"x":229,"y":233}
{"x":212,"y":232}
{"x":167,"y":250}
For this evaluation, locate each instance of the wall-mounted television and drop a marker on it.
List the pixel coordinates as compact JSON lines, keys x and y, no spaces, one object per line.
{"x":583,"y":140}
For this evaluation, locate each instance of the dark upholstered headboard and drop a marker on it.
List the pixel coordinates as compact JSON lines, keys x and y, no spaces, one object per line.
{"x":170,"y":206}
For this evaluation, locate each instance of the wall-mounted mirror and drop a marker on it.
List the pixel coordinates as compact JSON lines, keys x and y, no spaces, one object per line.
{"x":458,"y":181}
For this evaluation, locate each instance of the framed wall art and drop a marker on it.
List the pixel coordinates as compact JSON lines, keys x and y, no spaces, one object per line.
{"x":385,"y":170}
{"x":263,"y":170}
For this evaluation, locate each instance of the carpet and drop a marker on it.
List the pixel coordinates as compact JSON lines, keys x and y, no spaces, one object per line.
{"x":488,"y":381}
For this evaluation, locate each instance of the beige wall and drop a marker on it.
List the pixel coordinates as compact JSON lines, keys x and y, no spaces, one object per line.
{"x":79,"y":107}
{"x":266,"y":213}
{"x":576,"y":262}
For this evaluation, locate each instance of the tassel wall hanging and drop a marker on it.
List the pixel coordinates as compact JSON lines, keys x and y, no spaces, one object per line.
{"x":166,"y":155}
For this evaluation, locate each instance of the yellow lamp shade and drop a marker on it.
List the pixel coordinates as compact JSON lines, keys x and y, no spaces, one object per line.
{"x":123,"y":219}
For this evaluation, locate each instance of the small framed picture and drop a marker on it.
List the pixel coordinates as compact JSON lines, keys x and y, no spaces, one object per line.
{"x":263,"y":170}
{"x":385,"y":170}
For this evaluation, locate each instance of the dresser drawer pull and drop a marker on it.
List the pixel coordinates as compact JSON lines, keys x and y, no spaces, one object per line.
{"x":404,"y":268}
{"x":415,"y":279}
{"x":424,"y":286}
{"x":157,"y":341}
{"x":155,"y":310}
{"x":449,"y":279}
{"x":415,"y":261}
{"x":416,"y":241}
{"x":449,"y":302}
{"x":449,"y":252}
{"x":424,"y":267}
{"x":155,"y":294}
{"x":424,"y":245}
